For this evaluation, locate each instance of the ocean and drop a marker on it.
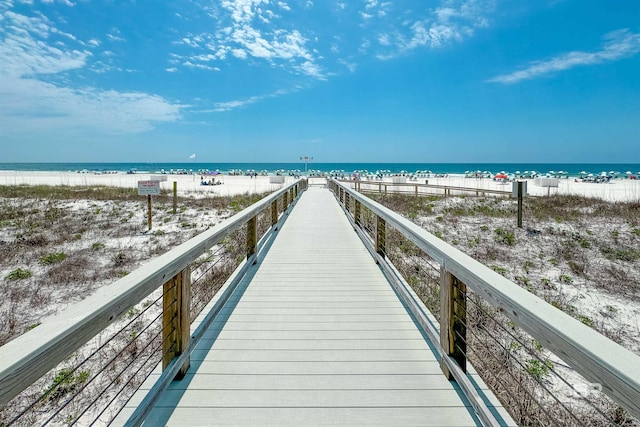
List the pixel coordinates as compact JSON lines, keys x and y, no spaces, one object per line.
{"x":573,"y":169}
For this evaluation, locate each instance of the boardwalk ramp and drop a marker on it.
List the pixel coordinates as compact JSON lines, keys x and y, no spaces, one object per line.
{"x":314,"y":335}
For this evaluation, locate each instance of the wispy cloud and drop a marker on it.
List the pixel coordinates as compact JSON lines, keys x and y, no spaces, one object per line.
{"x":449,"y":23}
{"x":249,"y":30}
{"x":617,"y":45}
{"x":32,"y":59}
{"x":220,"y":107}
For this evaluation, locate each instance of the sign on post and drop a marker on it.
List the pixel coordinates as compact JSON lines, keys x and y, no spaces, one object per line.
{"x":149,"y":188}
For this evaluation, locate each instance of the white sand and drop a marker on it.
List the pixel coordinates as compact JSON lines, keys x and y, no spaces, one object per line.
{"x":616,"y":190}
{"x":187,"y":184}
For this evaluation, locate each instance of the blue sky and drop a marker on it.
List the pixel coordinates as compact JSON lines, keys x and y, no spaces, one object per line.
{"x":356,"y":80}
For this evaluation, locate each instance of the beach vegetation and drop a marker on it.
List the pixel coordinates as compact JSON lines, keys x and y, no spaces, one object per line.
{"x":539,"y":369}
{"x":585,"y":244}
{"x":32,"y":326}
{"x":97,"y":246}
{"x":564,"y":278}
{"x":528,"y":265}
{"x":505,"y":237}
{"x":499,"y":270}
{"x":586,"y":320}
{"x":18,"y":274}
{"x":621,"y":253}
{"x":52,"y":258}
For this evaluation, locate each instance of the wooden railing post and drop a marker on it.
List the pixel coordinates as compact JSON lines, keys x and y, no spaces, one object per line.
{"x":341,"y":195}
{"x":286,"y":200}
{"x":274,"y":213}
{"x":346,"y":201}
{"x":252,"y":236}
{"x":176,"y":321}
{"x":381,"y":236}
{"x":453,"y":320}
{"x":356,"y":213}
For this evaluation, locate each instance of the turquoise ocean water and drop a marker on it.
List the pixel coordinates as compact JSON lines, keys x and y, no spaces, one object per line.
{"x":573,"y":169}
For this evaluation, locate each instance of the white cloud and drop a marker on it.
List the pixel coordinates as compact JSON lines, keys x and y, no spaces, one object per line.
{"x":617,"y":45}
{"x":451,"y":22}
{"x":239,"y":53}
{"x":114,"y":36}
{"x":28,"y":55}
{"x":274,"y":44}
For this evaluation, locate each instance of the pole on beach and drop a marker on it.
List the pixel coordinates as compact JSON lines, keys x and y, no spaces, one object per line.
{"x":175,"y":196}
{"x":149,"y":212}
{"x":520,"y":204}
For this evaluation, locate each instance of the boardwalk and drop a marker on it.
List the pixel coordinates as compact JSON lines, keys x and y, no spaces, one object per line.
{"x":315,"y":335}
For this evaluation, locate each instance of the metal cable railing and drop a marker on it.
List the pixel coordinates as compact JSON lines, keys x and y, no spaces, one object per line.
{"x":537,"y":385}
{"x":95,"y":379}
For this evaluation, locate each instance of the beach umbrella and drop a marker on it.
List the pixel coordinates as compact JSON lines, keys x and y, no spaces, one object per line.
{"x":500,"y":176}
{"x":583,"y":173}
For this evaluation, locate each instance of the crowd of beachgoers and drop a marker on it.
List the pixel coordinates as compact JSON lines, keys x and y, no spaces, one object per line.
{"x":611,"y":185}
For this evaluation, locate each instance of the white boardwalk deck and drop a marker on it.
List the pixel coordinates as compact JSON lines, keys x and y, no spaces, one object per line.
{"x":316,"y":337}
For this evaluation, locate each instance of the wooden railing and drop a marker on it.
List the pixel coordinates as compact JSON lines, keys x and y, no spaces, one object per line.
{"x":28,"y":357}
{"x":418,"y":189}
{"x":598,"y":359}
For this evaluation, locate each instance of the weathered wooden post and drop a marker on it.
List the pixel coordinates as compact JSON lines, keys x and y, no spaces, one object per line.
{"x":149,"y":188}
{"x":341,"y":195}
{"x":356,"y":213}
{"x":285,"y":200}
{"x":347,"y":201}
{"x":453,"y":320}
{"x":520,"y":184}
{"x":176,"y":319}
{"x":274,"y":213}
{"x":252,"y":236}
{"x":175,"y":197}
{"x":149,"y":211}
{"x":381,"y":236}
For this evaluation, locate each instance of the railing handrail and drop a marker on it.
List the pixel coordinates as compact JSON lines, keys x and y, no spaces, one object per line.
{"x":594,"y":356}
{"x":31,"y":355}
{"x":440,"y":186}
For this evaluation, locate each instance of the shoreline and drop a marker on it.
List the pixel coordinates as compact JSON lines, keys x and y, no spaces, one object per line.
{"x":616,"y":190}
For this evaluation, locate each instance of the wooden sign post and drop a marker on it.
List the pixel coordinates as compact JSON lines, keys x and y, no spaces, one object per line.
{"x":519,"y":191}
{"x":149,"y":188}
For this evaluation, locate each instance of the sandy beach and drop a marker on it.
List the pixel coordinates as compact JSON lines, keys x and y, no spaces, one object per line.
{"x":615,"y":190}
{"x":188,"y":185}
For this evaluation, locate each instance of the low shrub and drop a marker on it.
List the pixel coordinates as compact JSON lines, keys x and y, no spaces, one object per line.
{"x":18,"y":274}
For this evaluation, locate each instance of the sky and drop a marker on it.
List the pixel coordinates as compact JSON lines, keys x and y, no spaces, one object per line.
{"x":339,"y":80}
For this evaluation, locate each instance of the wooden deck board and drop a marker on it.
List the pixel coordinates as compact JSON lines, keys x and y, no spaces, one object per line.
{"x":318,"y":337}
